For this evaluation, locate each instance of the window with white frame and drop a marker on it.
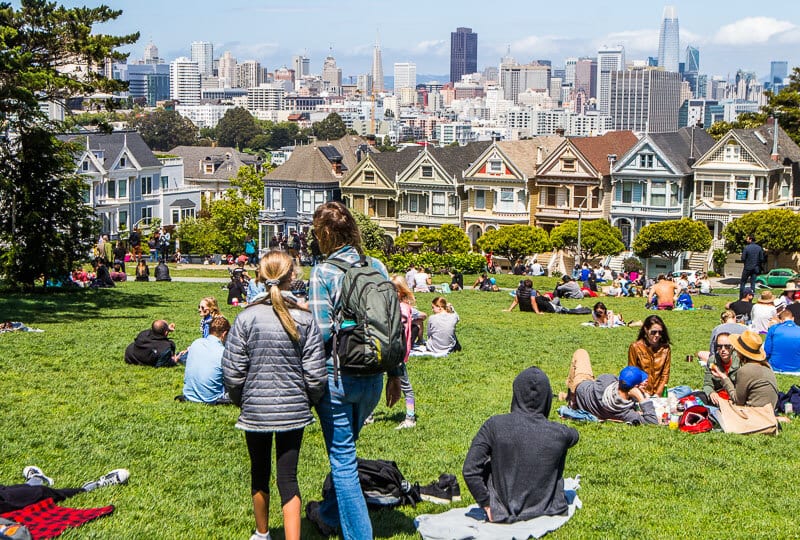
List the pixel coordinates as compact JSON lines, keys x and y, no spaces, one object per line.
{"x":122,"y":189}
{"x":658,"y":194}
{"x":495,"y":166}
{"x":305,"y":201}
{"x":708,"y":190}
{"x":208,"y":168}
{"x":629,"y":192}
{"x":275,"y":199}
{"x":568,"y":165}
{"x":147,"y":214}
{"x":176,"y":216}
{"x":452,"y":204}
{"x":86,"y":193}
{"x":112,"y":189}
{"x":319,"y":198}
{"x":647,"y":161}
{"x":85,"y":165}
{"x":369,"y":177}
{"x":506,"y":199}
{"x":147,"y":185}
{"x":674,"y":199}
{"x":122,"y":218}
{"x":123,"y":162}
{"x":547,"y":196}
{"x":164,"y":182}
{"x":187,"y":213}
{"x":732,"y":152}
{"x":784,"y":190}
{"x":480,"y":199}
{"x":426,"y":171}
{"x":437,"y":203}
{"x":413,"y":202}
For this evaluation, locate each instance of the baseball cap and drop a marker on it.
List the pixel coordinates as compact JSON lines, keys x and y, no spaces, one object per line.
{"x":631,"y":376}
{"x":746,"y":291}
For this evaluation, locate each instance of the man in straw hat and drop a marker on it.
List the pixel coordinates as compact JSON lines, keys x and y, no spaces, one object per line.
{"x":755,"y":381}
{"x":763,"y":315}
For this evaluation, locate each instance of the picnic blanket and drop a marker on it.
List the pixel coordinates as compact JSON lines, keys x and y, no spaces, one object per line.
{"x":46,"y":520}
{"x":470,"y":523}
{"x":16,"y":326}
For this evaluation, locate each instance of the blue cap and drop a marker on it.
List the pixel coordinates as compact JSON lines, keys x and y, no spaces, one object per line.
{"x":631,"y":376}
{"x":492,"y":281}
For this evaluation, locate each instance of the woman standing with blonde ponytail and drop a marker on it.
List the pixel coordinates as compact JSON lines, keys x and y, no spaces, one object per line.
{"x":274,"y":369}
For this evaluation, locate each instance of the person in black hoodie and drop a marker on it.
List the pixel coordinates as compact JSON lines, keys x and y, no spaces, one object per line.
{"x":515,"y":464}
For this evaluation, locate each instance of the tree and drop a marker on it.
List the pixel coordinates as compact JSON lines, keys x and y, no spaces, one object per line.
{"x":45,"y":225}
{"x":776,"y":230}
{"x":669,"y":239}
{"x":598,"y":238}
{"x":373,"y":237}
{"x":236,"y":128}
{"x":515,"y":241}
{"x":199,"y":235}
{"x":163,"y":130}
{"x":329,"y":129}
{"x":445,"y":239}
{"x":743,"y":121}
{"x":785,"y":105}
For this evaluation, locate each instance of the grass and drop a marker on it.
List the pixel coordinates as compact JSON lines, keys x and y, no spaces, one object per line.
{"x":72,"y":407}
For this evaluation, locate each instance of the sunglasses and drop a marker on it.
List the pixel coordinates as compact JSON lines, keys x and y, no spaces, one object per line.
{"x":599,"y":312}
{"x":725,"y":347}
{"x":655,"y":332}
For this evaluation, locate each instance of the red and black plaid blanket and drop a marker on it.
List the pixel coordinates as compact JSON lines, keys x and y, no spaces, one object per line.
{"x":46,"y":520}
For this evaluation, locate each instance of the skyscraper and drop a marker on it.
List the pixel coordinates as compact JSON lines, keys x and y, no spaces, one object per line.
{"x":249,"y":74}
{"x":377,"y":69}
{"x":692,"y":59}
{"x":645,"y":100}
{"x":184,"y":81}
{"x":203,"y":54}
{"x":227,"y":70}
{"x":463,"y":53}
{"x":332,"y":76}
{"x":778,"y":71}
{"x":302,"y":66}
{"x":609,"y":60}
{"x":151,"y":54}
{"x":405,"y":75}
{"x":669,"y":40}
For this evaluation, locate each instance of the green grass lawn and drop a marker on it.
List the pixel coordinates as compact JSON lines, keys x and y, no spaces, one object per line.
{"x":73,"y":407}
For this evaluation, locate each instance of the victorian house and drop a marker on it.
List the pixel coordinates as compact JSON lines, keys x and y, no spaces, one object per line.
{"x":654,"y":181}
{"x":498,"y":184}
{"x":575,"y":179}
{"x":310,"y":177}
{"x":210,"y":168}
{"x":746,"y":170}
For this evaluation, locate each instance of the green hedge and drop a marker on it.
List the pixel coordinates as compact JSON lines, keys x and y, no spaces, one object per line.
{"x":466,"y":263}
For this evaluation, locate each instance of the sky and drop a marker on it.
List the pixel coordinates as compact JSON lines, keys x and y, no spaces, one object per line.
{"x":731,"y":34}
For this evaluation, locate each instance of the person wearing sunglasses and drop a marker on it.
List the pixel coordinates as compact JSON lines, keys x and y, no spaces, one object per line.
{"x":651,"y":352}
{"x":726,"y":360}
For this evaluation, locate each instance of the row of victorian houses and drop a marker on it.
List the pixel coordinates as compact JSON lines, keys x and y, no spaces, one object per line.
{"x":482,"y":186}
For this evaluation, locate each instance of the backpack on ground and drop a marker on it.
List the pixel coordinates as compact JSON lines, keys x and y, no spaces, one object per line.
{"x":695,"y":420}
{"x":369,"y":336}
{"x":382,"y":484}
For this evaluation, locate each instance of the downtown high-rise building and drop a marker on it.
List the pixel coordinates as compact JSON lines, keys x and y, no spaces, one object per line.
{"x":249,"y":74}
{"x":645,"y":100}
{"x":151,"y":54}
{"x":184,"y":81}
{"x":227,"y":70}
{"x":203,"y":54}
{"x":778,"y":71}
{"x":669,"y":40}
{"x":377,"y":70}
{"x":301,"y":66}
{"x":405,"y":75}
{"x":586,"y":77}
{"x":691,"y":72}
{"x":609,"y":60}
{"x":332,"y":76}
{"x":463,"y":53}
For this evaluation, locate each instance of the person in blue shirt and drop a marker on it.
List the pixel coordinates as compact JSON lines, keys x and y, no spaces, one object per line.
{"x":684,"y":300}
{"x":202,"y":381}
{"x":781,"y":342}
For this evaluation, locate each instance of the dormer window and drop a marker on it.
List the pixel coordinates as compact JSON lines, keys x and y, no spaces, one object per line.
{"x":646,"y":161}
{"x":732,"y":152}
{"x":369,"y":177}
{"x":495,"y":166}
{"x":122,"y":162}
{"x":427,"y":171}
{"x":208,"y":168}
{"x":568,"y":165}
{"x":85,"y":165}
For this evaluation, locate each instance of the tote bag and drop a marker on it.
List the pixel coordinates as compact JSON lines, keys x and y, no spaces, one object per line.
{"x":747,"y":420}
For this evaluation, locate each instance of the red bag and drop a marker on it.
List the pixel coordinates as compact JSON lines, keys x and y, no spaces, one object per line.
{"x":695,"y":420}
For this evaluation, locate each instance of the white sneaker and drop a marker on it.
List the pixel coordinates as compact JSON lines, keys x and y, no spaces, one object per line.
{"x":32,"y":471}
{"x":409,"y":422}
{"x":257,"y":536}
{"x":117,"y":476}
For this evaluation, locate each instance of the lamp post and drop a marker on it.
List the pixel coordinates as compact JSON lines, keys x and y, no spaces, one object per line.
{"x":580,"y":216}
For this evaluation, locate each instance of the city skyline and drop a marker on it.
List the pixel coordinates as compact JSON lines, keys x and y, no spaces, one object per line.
{"x":731,"y":35}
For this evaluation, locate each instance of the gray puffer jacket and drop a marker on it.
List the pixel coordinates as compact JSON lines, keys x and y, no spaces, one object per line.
{"x":272,"y":380}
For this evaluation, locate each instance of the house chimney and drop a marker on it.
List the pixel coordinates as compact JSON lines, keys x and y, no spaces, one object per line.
{"x":691,"y":161}
{"x":774,"y":155}
{"x":539,"y":155}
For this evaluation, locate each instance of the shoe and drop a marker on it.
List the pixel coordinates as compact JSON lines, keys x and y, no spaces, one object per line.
{"x":117,"y":476}
{"x":452,"y":482}
{"x":409,"y":422}
{"x":31,"y":471}
{"x":257,"y":536}
{"x":435,"y":493}
{"x":313,"y":515}
{"x":369,"y":420}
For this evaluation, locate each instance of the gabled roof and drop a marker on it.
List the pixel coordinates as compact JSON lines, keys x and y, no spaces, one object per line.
{"x":523,"y":154}
{"x":392,"y":164}
{"x":675,"y":146}
{"x":226,"y":161}
{"x":787,"y":149}
{"x":456,"y":159}
{"x":112,"y":145}
{"x":309,"y":164}
{"x":597,"y":149}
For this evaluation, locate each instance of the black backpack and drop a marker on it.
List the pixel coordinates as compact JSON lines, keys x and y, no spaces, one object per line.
{"x":369,"y":336}
{"x":382,"y":484}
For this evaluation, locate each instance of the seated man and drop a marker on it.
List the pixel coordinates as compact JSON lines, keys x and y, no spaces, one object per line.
{"x":781,"y":343}
{"x":522,"y":297}
{"x":202,"y":381}
{"x":152,"y":347}
{"x":37,"y":488}
{"x":515,"y":464}
{"x":568,"y":289}
{"x":608,"y":397}
{"x":162,"y":271}
{"x":743,"y":306}
{"x":456,"y":280}
{"x":103,"y":276}
{"x":663,"y":293}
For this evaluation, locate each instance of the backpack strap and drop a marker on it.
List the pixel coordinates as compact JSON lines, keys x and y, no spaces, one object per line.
{"x":344,"y":266}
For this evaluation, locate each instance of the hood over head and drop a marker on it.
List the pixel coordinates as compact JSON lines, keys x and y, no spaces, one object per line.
{"x":532,"y":393}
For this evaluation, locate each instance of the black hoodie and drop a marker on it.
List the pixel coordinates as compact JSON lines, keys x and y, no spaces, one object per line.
{"x":516,"y":462}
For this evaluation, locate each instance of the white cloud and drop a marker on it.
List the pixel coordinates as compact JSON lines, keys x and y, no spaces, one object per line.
{"x":252,"y":51}
{"x":752,"y":31}
{"x":644,"y":40}
{"x":437,"y":47}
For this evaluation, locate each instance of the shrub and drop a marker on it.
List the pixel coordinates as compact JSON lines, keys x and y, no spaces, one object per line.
{"x":467,"y":263}
{"x":718,"y":260}
{"x":631,"y":264}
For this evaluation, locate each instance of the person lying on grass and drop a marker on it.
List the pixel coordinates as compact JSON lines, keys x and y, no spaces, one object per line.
{"x":606,"y":396}
{"x":515,"y":465}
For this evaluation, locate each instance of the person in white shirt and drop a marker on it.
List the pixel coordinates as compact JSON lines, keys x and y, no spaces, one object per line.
{"x":412,"y":271}
{"x":422,"y":281}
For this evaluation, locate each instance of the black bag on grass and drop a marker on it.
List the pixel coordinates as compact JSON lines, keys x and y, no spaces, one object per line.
{"x":382,"y":483}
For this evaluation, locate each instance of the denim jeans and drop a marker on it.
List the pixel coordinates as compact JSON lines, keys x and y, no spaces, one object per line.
{"x":342,"y":412}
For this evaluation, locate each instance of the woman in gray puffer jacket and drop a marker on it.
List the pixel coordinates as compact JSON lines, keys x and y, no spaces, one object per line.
{"x":274,"y":369}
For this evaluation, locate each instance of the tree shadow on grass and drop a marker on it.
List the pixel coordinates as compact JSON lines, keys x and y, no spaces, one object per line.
{"x":73,"y":305}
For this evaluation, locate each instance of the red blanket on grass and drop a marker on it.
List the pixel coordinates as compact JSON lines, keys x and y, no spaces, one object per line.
{"x":46,"y":520}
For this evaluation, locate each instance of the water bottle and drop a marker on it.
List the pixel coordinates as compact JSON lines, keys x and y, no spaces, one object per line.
{"x":672,"y":401}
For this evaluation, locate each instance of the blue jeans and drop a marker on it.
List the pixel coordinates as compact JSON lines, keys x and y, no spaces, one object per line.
{"x":342,"y":412}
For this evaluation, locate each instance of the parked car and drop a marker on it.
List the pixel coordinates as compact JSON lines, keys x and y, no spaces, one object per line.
{"x":777,"y":278}
{"x":690,"y":274}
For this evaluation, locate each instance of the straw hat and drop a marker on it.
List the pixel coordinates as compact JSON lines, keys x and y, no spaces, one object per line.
{"x":790,"y":287}
{"x":766,"y":298}
{"x":749,"y":344}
